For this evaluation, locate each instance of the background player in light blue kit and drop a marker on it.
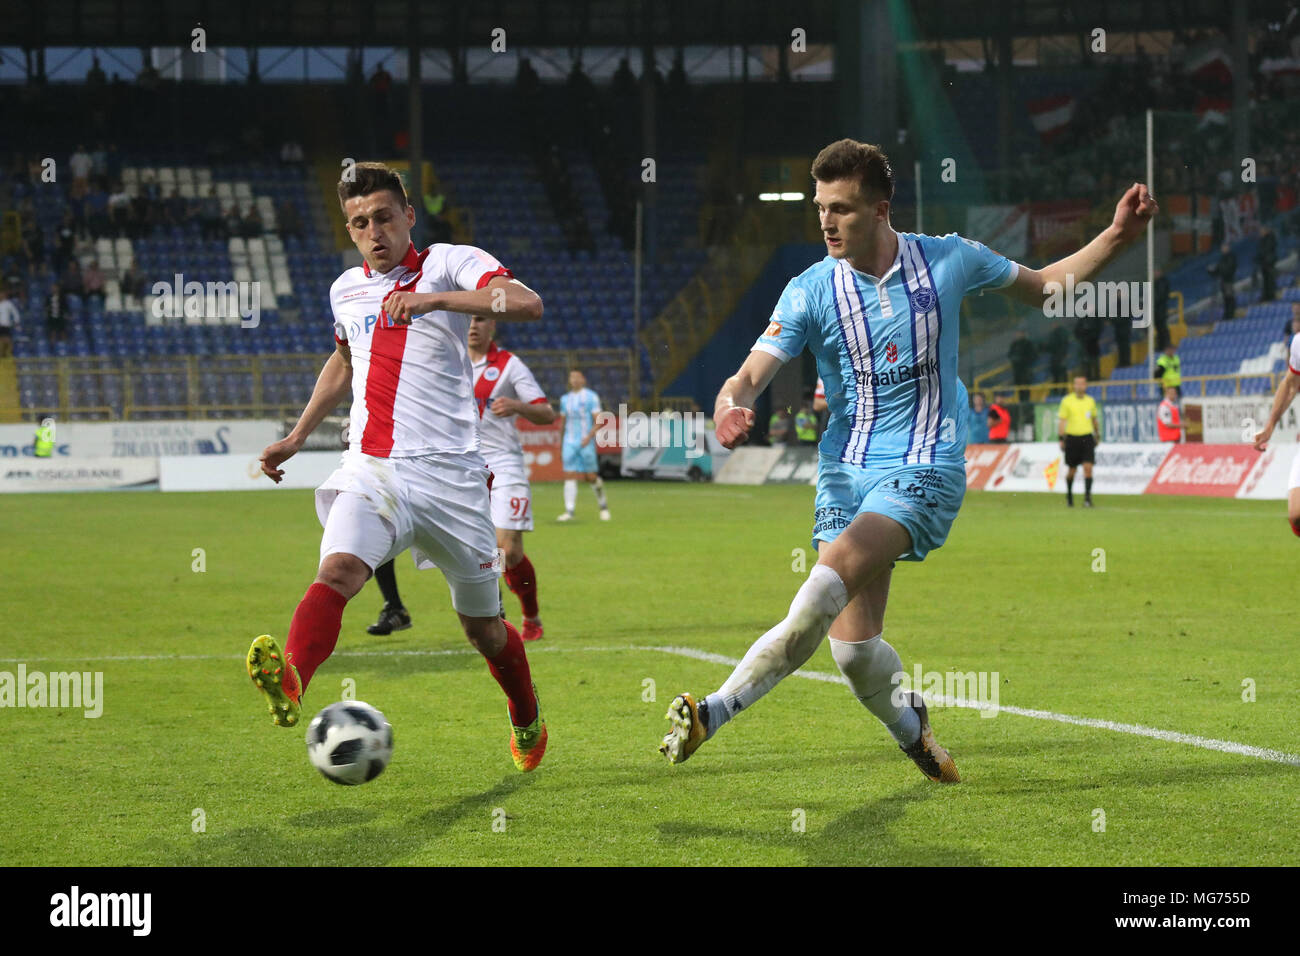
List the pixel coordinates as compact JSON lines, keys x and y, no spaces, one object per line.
{"x":580,"y":406}
{"x":880,"y":314}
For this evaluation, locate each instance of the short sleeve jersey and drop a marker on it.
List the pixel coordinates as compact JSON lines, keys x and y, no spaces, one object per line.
{"x":886,"y":348}
{"x":412,"y":391}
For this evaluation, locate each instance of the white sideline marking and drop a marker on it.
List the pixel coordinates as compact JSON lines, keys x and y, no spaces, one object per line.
{"x":1137,"y":730}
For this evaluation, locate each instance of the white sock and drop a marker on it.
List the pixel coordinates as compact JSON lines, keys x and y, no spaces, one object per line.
{"x":872,"y":668}
{"x":598,"y":486}
{"x":570,"y":494}
{"x":782,"y":650}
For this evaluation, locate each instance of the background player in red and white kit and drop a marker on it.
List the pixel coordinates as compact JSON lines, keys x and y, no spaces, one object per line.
{"x":503,"y":388}
{"x":1282,"y":399}
{"x":413,"y":476}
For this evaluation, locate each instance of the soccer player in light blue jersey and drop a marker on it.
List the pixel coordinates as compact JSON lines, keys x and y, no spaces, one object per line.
{"x":579,"y":406}
{"x":880,"y":314}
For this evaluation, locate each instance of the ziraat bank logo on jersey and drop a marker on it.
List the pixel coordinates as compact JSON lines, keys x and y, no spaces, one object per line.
{"x":357,"y":329}
{"x":897,"y":374}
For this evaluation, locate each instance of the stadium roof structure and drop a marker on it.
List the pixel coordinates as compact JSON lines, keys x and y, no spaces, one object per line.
{"x":443,"y":23}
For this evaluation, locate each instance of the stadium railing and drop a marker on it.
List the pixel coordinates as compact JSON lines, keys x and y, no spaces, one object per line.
{"x":254,"y":386}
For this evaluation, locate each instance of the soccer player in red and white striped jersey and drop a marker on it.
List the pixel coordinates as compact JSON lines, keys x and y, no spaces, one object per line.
{"x":413,"y":476}
{"x":503,"y":388}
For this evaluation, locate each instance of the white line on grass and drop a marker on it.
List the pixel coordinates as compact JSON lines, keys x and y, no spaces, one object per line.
{"x":1137,"y":730}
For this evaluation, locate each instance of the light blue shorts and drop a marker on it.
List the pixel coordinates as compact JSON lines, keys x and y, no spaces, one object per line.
{"x":924,"y":499}
{"x":579,"y":460}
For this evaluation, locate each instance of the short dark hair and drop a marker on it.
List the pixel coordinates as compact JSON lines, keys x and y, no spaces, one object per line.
{"x":849,"y":159}
{"x":371,"y":178}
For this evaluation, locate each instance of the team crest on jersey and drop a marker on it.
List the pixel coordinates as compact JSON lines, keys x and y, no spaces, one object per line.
{"x":891,"y":352}
{"x":922,"y":299}
{"x":492,"y":373}
{"x":407,"y":276}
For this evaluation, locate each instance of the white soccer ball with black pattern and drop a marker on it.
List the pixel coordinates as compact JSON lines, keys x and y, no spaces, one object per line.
{"x":350,"y":742}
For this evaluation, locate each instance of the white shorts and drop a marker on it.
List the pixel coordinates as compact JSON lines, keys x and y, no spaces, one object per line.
{"x":512,"y":507}
{"x":1294,"y":481}
{"x":436,"y":505}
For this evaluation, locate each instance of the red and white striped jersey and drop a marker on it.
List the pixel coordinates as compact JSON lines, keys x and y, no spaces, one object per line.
{"x":411,"y":391}
{"x":501,"y":374}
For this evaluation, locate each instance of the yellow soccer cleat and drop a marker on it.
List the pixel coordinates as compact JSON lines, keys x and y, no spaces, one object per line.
{"x":687,"y":731}
{"x":934,"y":761}
{"x":528,"y":744}
{"x":277,"y":679}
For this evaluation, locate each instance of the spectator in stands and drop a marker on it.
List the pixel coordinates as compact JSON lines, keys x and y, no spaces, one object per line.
{"x":805,"y":422}
{"x":210,"y":222}
{"x":56,"y":315}
{"x":95,"y":75}
{"x":9,"y":319}
{"x":1266,"y":262}
{"x":1021,"y":355}
{"x":1169,"y":369}
{"x":132,"y":282}
{"x":1160,"y":309}
{"x":233,"y":223}
{"x":31,"y":243}
{"x":290,"y":226}
{"x":381,"y":82}
{"x":1058,"y":353}
{"x":72,"y":281}
{"x":65,"y":241}
{"x":999,"y":420}
{"x":1122,"y":326}
{"x":1169,"y":422}
{"x":79,"y":164}
{"x":1225,"y":270}
{"x":144,"y":216}
{"x":779,"y":427}
{"x":93,"y":282}
{"x":624,"y":80}
{"x":119,"y":210}
{"x":97,"y":212}
{"x":978,"y":420}
{"x":253,"y":227}
{"x":1087,"y":329}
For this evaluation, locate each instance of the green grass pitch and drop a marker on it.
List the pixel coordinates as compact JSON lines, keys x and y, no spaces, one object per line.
{"x":185,"y":768}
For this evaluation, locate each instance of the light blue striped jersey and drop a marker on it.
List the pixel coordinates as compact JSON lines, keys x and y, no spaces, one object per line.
{"x":577,"y":409}
{"x":887,"y":349}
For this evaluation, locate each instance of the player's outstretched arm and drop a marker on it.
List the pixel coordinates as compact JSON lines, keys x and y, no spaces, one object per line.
{"x":1134,"y":211}
{"x":1282,"y":398}
{"x":332,"y":386}
{"x":502,"y":298}
{"x":733,"y":412}
{"x":540,"y":413}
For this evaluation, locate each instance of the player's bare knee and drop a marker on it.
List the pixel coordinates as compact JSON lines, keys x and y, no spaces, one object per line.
{"x":487,"y":634}
{"x":345,"y":573}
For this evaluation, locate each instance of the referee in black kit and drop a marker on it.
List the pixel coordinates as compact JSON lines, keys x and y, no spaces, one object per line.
{"x":1080,"y":432}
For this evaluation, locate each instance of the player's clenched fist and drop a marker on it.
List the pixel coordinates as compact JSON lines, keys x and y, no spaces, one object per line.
{"x":402,"y":307}
{"x":1135,"y":209}
{"x":732,"y":426}
{"x":274,"y":455}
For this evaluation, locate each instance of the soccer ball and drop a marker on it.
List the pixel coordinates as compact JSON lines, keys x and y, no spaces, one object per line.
{"x":350,"y":742}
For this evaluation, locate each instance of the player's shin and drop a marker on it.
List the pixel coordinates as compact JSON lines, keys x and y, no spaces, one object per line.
{"x":522,"y":582}
{"x":315,"y":630}
{"x":570,"y":495}
{"x":782,"y":650}
{"x":872,"y":668}
{"x":510,"y":668}
{"x":598,"y":486}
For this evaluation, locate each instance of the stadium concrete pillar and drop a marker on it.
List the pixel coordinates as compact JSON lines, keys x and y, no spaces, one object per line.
{"x":1005,"y":79}
{"x":415,"y":146}
{"x":1240,"y":83}
{"x":649,"y":143}
{"x":866,"y":71}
